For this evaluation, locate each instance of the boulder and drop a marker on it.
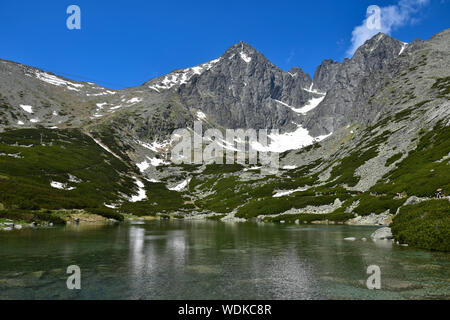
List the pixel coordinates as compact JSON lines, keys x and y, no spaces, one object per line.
{"x":411,"y":200}
{"x":337,"y":203}
{"x":350,"y":239}
{"x":382,"y":234}
{"x":18,"y":226}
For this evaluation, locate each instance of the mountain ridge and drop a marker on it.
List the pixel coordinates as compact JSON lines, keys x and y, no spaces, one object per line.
{"x":383,"y":118}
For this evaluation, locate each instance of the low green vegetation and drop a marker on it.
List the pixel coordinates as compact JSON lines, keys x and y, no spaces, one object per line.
{"x":310,"y":218}
{"x":222,"y":168}
{"x":27,"y":216}
{"x":106,"y":212}
{"x":377,"y":204}
{"x":217,"y":217}
{"x":90,"y":175}
{"x":404,"y":114}
{"x":394,"y":158}
{"x":425,"y":225}
{"x":300,"y":200}
{"x":343,"y":173}
{"x":442,"y":85}
{"x":423,"y":171}
{"x":159,"y":200}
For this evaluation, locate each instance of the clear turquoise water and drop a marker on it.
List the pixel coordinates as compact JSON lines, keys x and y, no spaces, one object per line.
{"x":213,"y":260}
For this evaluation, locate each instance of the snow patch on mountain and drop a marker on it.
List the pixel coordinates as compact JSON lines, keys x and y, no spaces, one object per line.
{"x":27,"y":108}
{"x":56,"y":81}
{"x":311,"y":90}
{"x":155,"y":162}
{"x":182,"y":76}
{"x":141,"y":195}
{"x":155,"y":146}
{"x":144,"y":165}
{"x":134,"y":100}
{"x":61,"y":186}
{"x":288,"y":141}
{"x":101,"y":105}
{"x":404,"y":45}
{"x":103,"y":93}
{"x":288,"y":192}
{"x":245,"y":57}
{"x":310,"y":105}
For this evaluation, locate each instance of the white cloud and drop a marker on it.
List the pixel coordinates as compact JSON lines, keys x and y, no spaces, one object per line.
{"x":391,"y":17}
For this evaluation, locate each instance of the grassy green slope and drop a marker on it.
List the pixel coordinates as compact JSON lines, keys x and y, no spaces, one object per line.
{"x":422,"y":172}
{"x":25,"y":179}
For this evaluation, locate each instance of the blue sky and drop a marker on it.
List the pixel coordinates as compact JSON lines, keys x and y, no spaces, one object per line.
{"x":125,"y":43}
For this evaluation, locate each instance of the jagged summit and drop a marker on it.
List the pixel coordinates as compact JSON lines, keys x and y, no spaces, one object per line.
{"x":380,"y":44}
{"x":241,"y":46}
{"x":243,"y":51}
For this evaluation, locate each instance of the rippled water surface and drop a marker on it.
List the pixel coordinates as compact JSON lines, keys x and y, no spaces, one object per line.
{"x":212,"y":260}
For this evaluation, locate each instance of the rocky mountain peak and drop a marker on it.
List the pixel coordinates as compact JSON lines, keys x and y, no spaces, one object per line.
{"x":244,"y":52}
{"x":241,"y":46}
{"x":380,"y":45}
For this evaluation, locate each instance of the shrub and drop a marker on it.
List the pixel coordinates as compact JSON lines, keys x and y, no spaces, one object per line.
{"x":392,"y":159}
{"x":370,"y":204}
{"x":421,"y":173}
{"x":425,"y":225}
{"x":106,"y":212}
{"x":309,"y":218}
{"x":29,"y":216}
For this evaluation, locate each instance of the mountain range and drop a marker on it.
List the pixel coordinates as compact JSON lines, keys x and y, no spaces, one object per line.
{"x":360,"y":139}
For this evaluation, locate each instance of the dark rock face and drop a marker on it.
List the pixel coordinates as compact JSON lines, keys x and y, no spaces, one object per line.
{"x":241,"y":90}
{"x":350,"y":84}
{"x":325,"y":75}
